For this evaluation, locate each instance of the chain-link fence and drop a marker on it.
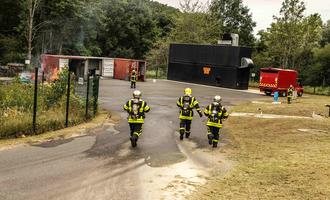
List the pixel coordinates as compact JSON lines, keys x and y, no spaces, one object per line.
{"x":39,"y":106}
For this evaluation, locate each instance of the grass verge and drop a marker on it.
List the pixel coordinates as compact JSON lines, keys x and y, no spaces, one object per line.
{"x":303,"y":106}
{"x":274,"y":159}
{"x":63,"y":133}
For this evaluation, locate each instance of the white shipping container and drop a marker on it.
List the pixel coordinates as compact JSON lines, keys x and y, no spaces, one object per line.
{"x":107,"y":67}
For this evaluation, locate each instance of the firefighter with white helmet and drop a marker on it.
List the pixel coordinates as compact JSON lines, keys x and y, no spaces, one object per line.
{"x":136,"y":109}
{"x":215,"y":113}
{"x":187,"y":103}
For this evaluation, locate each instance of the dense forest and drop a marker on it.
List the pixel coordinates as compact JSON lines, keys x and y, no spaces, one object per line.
{"x":143,"y":29}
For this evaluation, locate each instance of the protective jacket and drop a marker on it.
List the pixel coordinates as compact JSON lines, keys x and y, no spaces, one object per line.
{"x":215,"y":114}
{"x":290,"y":92}
{"x":136,"y":109}
{"x":133,"y":77}
{"x":187,"y":104}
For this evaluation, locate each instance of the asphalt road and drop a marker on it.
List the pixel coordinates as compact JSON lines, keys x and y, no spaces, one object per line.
{"x":102,"y":165}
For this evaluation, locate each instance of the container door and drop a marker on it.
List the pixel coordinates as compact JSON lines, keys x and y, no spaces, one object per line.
{"x":142,"y":71}
{"x":108,"y":67}
{"x":63,"y":63}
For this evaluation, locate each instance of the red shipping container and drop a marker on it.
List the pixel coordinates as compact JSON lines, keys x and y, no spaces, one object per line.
{"x":123,"y":68}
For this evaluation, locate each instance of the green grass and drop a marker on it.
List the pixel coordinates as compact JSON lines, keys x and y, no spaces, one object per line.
{"x":274,"y":160}
{"x":16,"y":108}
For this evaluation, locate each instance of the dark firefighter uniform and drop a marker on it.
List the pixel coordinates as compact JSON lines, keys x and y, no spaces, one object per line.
{"x":133,"y":79}
{"x":186,"y":104}
{"x":290,"y":94}
{"x":136,"y":108}
{"x":215,"y":113}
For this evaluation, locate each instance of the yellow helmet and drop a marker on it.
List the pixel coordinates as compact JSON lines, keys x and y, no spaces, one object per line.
{"x":187,"y":91}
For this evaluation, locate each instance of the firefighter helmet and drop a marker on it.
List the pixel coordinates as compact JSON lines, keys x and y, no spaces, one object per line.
{"x":137,"y":94}
{"x":217,"y":99}
{"x":187,"y":91}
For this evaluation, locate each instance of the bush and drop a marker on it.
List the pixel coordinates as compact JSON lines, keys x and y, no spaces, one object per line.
{"x":16,"y":107}
{"x":317,"y":90}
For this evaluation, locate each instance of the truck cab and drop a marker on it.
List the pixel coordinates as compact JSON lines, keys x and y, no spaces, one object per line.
{"x":275,"y":79}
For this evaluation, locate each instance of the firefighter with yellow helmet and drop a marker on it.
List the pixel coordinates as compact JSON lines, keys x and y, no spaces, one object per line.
{"x":136,"y":109}
{"x":187,"y":103}
{"x":215,"y":113}
{"x":290,"y":94}
{"x":133,"y":79}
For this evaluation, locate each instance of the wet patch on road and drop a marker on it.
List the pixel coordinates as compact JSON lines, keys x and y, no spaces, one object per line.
{"x":53,"y":143}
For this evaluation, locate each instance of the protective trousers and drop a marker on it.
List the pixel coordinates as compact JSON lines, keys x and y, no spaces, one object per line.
{"x":290,"y":97}
{"x":185,"y":126}
{"x":133,"y":84}
{"x":136,"y":130}
{"x":213,"y":135}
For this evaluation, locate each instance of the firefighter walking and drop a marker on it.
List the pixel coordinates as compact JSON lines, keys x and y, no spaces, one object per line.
{"x":187,"y":103}
{"x":290,"y":94}
{"x":215,"y":113}
{"x":136,"y":109}
{"x":133,"y":79}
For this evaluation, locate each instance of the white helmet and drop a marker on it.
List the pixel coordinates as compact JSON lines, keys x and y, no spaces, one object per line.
{"x":217,"y":99}
{"x":137,"y":94}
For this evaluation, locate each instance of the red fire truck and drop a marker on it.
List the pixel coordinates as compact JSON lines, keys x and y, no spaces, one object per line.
{"x":274,"y":79}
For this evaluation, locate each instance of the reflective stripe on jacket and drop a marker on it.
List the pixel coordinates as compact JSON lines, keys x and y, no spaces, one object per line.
{"x":290,"y":92}
{"x":222,"y":114}
{"x":133,"y":77}
{"x":143,"y":107}
{"x":193,"y":103}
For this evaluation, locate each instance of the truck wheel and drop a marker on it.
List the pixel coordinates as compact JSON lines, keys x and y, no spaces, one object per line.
{"x":283,"y":94}
{"x":300,"y":94}
{"x":268,"y":93}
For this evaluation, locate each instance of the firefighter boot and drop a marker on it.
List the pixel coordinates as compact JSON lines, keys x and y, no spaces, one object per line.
{"x":210,"y":138}
{"x":187,"y":134}
{"x":182,"y":130}
{"x":215,"y":144}
{"x":133,"y":141}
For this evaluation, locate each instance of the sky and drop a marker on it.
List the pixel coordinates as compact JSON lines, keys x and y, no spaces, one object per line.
{"x":263,"y":10}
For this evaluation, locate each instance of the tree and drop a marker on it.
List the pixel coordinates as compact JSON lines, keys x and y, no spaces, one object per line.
{"x":28,"y":18}
{"x":70,"y":27}
{"x":193,"y":24}
{"x":11,"y":42}
{"x":325,"y":34}
{"x":322,"y":62}
{"x":164,"y":17}
{"x":127,"y":29}
{"x":260,"y":55}
{"x":293,"y":36}
{"x":233,"y":17}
